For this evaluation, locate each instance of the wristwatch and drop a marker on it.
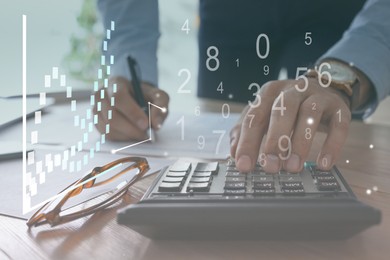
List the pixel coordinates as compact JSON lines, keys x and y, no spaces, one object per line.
{"x":343,"y":78}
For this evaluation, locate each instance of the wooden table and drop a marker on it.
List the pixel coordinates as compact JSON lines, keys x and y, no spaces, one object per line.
{"x":100,"y":237}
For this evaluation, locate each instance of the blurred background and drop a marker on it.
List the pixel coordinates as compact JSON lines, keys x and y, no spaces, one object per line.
{"x":67,"y":35}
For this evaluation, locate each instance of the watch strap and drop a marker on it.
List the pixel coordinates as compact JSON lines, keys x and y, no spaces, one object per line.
{"x":345,"y":87}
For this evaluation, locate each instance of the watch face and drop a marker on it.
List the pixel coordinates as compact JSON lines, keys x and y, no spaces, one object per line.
{"x":341,"y":72}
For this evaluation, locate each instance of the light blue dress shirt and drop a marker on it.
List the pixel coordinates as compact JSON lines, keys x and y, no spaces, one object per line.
{"x":136,"y":34}
{"x":366,"y":43}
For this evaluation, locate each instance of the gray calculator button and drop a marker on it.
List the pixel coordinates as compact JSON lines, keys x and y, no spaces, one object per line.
{"x":197,"y":179}
{"x":201,"y":174}
{"x":176,"y":174}
{"x":236,"y":179}
{"x":170,"y":187}
{"x":235,"y":192}
{"x":173,"y":179}
{"x":204,"y":186}
{"x":328,"y":186}
{"x":292,"y":191}
{"x":290,"y":177}
{"x":235,"y":174}
{"x":263,"y":178}
{"x":264,"y":191}
{"x":263,"y":185}
{"x":180,"y":167}
{"x":207,"y":167}
{"x":325,"y":178}
{"x":322,"y":173}
{"x":292,"y":184}
{"x":234,"y":185}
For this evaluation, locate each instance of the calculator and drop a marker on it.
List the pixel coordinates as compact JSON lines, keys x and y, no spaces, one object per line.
{"x":212,"y":200}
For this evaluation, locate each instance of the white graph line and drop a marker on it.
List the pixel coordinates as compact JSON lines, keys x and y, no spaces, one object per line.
{"x":27,"y":207}
{"x":131,"y":145}
{"x":163,"y":109}
{"x":26,"y":204}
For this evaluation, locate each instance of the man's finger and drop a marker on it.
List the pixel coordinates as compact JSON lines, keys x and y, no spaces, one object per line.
{"x":253,"y":128}
{"x":309,"y":117}
{"x":338,"y":131}
{"x":236,"y":131}
{"x":277,"y":146}
{"x":234,"y":137}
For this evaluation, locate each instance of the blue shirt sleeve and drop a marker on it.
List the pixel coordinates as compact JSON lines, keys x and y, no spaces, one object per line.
{"x":136,"y":34}
{"x":366,"y":44}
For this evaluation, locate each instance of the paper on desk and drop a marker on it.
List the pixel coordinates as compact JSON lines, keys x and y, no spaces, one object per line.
{"x":205,"y":136}
{"x":11,"y":181}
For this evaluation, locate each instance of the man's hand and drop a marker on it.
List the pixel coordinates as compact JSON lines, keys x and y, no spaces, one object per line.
{"x":286,"y":124}
{"x":128,"y":121}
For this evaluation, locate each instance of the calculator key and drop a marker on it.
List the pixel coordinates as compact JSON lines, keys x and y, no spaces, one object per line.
{"x":325,"y":178}
{"x":292,"y":191}
{"x":236,"y":179}
{"x":290,"y":177}
{"x":201,"y":174}
{"x":263,"y":178}
{"x":173,"y":179}
{"x":234,"y":185}
{"x":328,"y":186}
{"x":321,"y":173}
{"x":170,"y":186}
{"x":203,"y":179}
{"x":235,"y":192}
{"x":231,"y":169}
{"x":180,"y":167}
{"x":204,"y":186}
{"x":263,"y":185}
{"x":262,"y":173}
{"x":292,"y":184}
{"x":176,"y":174}
{"x":207,"y":167}
{"x":235,"y":174}
{"x":264,"y":191}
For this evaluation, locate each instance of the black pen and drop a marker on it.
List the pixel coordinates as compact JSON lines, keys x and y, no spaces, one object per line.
{"x":136,"y":82}
{"x":138,"y":95}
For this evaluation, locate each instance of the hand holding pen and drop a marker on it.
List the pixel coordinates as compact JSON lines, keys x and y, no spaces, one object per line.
{"x":129,"y":116}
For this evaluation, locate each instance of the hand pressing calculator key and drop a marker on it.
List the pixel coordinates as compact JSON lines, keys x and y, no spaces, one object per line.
{"x":211,"y":200}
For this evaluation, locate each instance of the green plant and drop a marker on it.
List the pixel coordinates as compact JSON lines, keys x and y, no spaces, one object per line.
{"x":82,"y":61}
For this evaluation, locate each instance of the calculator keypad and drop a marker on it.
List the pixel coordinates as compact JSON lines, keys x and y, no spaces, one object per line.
{"x":204,"y":178}
{"x":175,"y":177}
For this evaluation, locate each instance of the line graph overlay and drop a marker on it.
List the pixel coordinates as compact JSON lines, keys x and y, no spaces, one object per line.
{"x":26,"y":201}
{"x":163,"y":109}
{"x":29,"y":180}
{"x":30,"y":183}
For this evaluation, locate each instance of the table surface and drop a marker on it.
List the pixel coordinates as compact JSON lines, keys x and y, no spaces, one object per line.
{"x":100,"y":237}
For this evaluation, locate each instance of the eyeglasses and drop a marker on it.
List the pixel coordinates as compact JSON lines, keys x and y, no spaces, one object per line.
{"x":54,"y":211}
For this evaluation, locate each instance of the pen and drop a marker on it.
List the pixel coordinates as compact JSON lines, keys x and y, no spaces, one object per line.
{"x":136,"y":81}
{"x":138,"y":95}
